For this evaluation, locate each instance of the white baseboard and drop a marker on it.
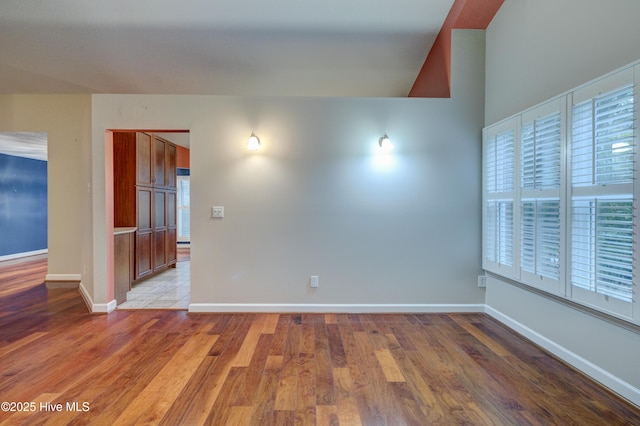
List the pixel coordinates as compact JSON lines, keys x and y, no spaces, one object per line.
{"x":615,"y":383}
{"x":62,"y":280}
{"x":96,"y":308}
{"x":21,"y":255}
{"x":333,"y":308}
{"x":85,"y":296}
{"x":63,"y":277}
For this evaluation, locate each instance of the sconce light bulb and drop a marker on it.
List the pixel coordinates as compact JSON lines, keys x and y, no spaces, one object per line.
{"x":254,"y":143}
{"x":385,"y":143}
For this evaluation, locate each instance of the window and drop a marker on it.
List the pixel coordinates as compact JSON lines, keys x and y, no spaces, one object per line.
{"x":184,"y":215}
{"x":561,"y":217}
{"x":500,"y":163}
{"x":540,"y":169}
{"x":602,"y":204}
{"x":540,"y":238}
{"x":500,"y":232}
{"x":602,"y":246}
{"x":498,"y":194}
{"x":541,"y":153}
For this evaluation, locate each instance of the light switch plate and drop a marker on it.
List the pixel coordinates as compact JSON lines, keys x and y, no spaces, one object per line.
{"x":314,"y":281}
{"x":217,"y":211}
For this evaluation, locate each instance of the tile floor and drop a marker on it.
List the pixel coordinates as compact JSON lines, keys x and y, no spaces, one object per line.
{"x":168,"y":290}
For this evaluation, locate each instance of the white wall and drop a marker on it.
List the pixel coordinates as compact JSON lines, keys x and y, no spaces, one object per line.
{"x":66,"y":120}
{"x":537,"y":49}
{"x":315,"y":200}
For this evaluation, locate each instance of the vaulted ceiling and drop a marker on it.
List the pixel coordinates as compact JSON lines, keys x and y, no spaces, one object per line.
{"x":230,"y":47}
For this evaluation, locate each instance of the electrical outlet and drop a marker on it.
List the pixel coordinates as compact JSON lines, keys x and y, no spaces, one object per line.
{"x":482,"y":281}
{"x":313,"y":281}
{"x":217,"y":211}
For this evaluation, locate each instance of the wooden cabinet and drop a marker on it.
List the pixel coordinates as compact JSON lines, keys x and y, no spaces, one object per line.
{"x":142,"y":154}
{"x":145,"y":197}
{"x":159,"y":162}
{"x":124,"y":266}
{"x":144,"y":235}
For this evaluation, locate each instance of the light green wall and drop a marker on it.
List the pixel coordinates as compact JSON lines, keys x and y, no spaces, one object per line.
{"x":537,"y":49}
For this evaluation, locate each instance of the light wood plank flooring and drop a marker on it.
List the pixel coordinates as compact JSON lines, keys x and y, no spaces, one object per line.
{"x":174,"y":368}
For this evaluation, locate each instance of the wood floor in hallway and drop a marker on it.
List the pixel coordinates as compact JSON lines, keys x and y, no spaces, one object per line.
{"x":61,"y":366}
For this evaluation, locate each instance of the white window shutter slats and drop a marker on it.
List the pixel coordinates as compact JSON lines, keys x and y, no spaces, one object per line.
{"x":540,"y":238}
{"x":602,"y":226}
{"x":548,"y":239}
{"x":561,"y":216}
{"x":528,"y":237}
{"x":499,"y":232}
{"x":540,"y":157}
{"x":499,"y":163}
{"x":499,"y":189}
{"x":540,"y":161}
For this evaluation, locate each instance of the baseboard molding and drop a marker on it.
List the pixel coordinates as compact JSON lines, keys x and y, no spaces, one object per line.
{"x":22,"y":255}
{"x":62,"y":280}
{"x":334,"y":308}
{"x":63,"y":277}
{"x":88,"y":300}
{"x":614,"y":383}
{"x":96,"y":308}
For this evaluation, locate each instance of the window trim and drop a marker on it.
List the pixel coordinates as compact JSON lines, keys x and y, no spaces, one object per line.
{"x":562,"y":288}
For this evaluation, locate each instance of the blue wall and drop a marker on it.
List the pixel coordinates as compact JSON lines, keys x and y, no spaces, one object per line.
{"x":23,"y":205}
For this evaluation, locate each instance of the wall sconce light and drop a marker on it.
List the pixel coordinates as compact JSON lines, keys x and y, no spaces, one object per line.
{"x":254,"y":142}
{"x":385,"y":143}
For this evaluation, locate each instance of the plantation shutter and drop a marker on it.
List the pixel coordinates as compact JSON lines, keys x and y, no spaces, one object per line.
{"x":540,"y":161}
{"x":499,"y":190}
{"x":602,"y":201}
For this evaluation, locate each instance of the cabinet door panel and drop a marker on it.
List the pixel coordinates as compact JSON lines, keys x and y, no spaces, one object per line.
{"x":159,"y":228}
{"x":144,"y":209}
{"x":171,"y":209}
{"x":160,"y":249}
{"x":143,"y":254}
{"x":159,"y":163}
{"x":172,"y":246}
{"x":159,"y":210}
{"x":171,"y":166}
{"x":143,"y":155}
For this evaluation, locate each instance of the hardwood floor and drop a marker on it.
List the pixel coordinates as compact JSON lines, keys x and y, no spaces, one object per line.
{"x":170,"y":368}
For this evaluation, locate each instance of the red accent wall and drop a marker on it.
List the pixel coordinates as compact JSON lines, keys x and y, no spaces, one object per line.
{"x":182,"y":158}
{"x":434,"y":79}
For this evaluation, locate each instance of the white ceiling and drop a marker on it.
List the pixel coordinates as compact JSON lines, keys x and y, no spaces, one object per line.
{"x":223,"y":47}
{"x":24,"y":144}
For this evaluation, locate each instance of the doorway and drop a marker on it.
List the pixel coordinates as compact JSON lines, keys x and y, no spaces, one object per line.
{"x":23,"y":195}
{"x":146,"y":195}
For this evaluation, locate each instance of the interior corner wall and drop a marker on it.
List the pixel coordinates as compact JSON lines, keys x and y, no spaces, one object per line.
{"x":317,"y":199}
{"x":537,"y":49}
{"x":66,"y":120}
